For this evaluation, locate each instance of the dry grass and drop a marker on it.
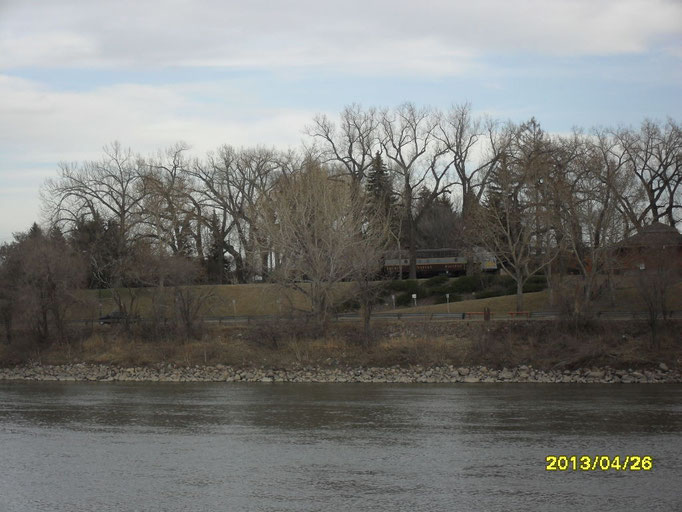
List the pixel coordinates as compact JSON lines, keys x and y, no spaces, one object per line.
{"x":497,"y":344}
{"x":262,"y":299}
{"x":249,"y":300}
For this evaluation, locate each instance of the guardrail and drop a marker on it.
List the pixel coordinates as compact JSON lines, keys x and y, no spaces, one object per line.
{"x":469,"y":315}
{"x":477,"y":316}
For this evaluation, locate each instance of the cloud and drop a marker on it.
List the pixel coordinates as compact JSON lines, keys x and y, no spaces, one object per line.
{"x":41,"y":127}
{"x":19,"y":207}
{"x":46,"y":125}
{"x":436,"y":37}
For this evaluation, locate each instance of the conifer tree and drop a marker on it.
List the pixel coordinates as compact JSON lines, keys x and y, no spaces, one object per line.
{"x":379,"y":187}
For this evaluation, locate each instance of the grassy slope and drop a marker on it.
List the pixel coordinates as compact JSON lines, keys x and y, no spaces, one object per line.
{"x":261,"y":299}
{"x":249,"y":300}
{"x":532,"y":302}
{"x":627,"y":299}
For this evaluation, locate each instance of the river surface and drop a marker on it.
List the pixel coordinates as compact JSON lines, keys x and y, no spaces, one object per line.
{"x":334,"y":447}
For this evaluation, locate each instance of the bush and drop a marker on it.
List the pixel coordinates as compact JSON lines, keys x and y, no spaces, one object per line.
{"x":436,"y":281}
{"x":488,"y":280}
{"x":403,"y":299}
{"x":273,"y":332}
{"x":492,"y":292}
{"x":538,"y":279}
{"x":351,"y":304}
{"x":533,"y":287}
{"x":406,"y":285}
{"x":505,"y":282}
{"x":466,"y":284}
{"x":441,"y":299}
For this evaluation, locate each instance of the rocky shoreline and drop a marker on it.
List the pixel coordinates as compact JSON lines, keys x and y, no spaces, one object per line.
{"x":411,"y":374}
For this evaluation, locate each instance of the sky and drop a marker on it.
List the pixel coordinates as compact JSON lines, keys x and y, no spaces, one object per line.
{"x":76,"y":75}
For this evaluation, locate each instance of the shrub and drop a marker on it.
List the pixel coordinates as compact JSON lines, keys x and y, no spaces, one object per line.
{"x":538,"y":279}
{"x":533,"y":287}
{"x":351,"y":304}
{"x":505,"y":282}
{"x":403,"y":299}
{"x":272,"y":332}
{"x":441,"y":299}
{"x":405,"y":285}
{"x":492,"y":292}
{"x":466,"y":284}
{"x":436,"y":280}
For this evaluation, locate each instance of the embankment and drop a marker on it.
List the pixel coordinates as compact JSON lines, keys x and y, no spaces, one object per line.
{"x":532,"y":351}
{"x":411,"y":374}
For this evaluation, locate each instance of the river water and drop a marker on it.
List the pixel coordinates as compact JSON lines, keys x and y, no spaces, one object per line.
{"x":336,"y":447}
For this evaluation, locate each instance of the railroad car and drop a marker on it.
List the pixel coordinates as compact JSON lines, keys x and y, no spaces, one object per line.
{"x":432,"y":262}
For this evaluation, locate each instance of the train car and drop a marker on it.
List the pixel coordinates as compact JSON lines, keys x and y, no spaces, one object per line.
{"x":432,"y":262}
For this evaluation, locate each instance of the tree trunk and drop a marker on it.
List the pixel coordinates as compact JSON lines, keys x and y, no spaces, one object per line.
{"x":7,"y":322}
{"x":238,"y":263}
{"x":519,"y":293}
{"x":264,"y":257}
{"x":366,"y":319}
{"x":412,"y":233}
{"x":470,"y":267}
{"x":588,"y":293}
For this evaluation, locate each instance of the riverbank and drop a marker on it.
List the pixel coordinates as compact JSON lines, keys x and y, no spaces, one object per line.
{"x":411,"y":374}
{"x":543,"y":351}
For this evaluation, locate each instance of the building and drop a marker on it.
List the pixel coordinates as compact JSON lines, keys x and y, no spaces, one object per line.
{"x":657,"y":245}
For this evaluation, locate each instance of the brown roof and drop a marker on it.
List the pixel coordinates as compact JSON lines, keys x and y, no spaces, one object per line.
{"x":654,"y":235}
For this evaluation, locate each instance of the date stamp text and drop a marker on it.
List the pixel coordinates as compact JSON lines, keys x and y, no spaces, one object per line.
{"x":599,"y":463}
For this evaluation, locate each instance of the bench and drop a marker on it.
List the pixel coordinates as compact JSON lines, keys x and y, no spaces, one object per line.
{"x":519,"y":313}
{"x":474,"y":314}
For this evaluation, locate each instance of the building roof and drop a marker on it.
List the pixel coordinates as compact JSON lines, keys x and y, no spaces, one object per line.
{"x":654,"y":235}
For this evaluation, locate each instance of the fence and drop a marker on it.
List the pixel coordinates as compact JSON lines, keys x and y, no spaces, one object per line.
{"x":472,"y":315}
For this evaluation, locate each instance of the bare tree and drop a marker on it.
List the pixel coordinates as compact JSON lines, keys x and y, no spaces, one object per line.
{"x":516,"y":222}
{"x":317,"y":223}
{"x":189,"y":301}
{"x":351,"y":144}
{"x":10,"y":271}
{"x":111,"y":188}
{"x":657,"y":271}
{"x":232,"y":181}
{"x":172,"y":213}
{"x":45,"y":274}
{"x":591,"y":222}
{"x":475,"y":147}
{"x":652,"y":159}
{"x":416,"y":159}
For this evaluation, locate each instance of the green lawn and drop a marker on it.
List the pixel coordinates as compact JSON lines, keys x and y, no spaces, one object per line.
{"x":626,"y":299}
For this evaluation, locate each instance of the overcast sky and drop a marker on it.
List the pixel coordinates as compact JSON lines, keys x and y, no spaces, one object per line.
{"x":76,"y":75}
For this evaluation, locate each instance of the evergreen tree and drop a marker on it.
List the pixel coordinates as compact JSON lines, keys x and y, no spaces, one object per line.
{"x":379,"y":186}
{"x":35,"y":231}
{"x":439,"y":224}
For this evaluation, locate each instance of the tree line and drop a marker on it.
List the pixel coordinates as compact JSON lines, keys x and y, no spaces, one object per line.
{"x":372,"y":180}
